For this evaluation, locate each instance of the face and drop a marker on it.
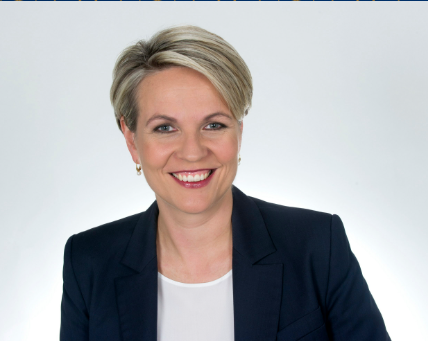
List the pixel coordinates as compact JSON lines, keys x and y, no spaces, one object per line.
{"x":184,"y":131}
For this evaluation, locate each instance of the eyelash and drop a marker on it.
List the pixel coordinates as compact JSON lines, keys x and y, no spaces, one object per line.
{"x":222,"y":126}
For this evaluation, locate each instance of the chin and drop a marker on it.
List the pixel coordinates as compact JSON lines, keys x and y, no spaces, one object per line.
{"x":193,"y":205}
{"x":192,"y":201}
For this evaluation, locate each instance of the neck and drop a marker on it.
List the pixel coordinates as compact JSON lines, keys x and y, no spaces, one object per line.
{"x":195,"y":240}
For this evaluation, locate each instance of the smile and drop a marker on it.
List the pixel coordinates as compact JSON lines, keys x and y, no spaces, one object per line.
{"x":192,"y":177}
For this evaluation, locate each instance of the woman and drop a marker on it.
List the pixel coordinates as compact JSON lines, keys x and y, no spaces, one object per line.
{"x":205,"y":261}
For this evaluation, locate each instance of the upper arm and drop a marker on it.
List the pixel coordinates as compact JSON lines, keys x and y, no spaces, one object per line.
{"x":74,"y":313}
{"x":352,"y":311}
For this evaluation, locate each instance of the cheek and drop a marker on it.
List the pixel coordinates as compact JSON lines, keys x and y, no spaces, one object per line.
{"x":153,"y":154}
{"x":227,"y":149}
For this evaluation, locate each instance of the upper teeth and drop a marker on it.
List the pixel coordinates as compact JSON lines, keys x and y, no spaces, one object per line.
{"x":192,"y":178}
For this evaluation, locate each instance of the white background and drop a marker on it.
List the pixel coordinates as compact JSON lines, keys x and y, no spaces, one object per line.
{"x":339,"y":124}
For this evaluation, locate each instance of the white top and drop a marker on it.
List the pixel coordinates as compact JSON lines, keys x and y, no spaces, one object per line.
{"x":195,"y":311}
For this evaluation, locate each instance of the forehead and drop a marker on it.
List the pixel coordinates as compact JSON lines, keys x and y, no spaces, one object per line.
{"x":176,"y":91}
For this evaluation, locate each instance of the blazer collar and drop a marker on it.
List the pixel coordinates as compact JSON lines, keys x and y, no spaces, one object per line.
{"x":257,"y":289}
{"x":250,"y":236}
{"x":142,"y":245}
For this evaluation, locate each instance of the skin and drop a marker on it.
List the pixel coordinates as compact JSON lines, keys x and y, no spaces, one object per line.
{"x":194,"y":236}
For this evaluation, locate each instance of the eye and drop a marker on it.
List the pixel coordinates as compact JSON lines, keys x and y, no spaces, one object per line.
{"x":215,"y":126}
{"x":164,"y":128}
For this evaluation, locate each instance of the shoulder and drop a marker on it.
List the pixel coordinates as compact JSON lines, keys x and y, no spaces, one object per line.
{"x":293,"y":221}
{"x":102,"y":241}
{"x":300,"y":234}
{"x":304,"y":235}
{"x":114,"y":232}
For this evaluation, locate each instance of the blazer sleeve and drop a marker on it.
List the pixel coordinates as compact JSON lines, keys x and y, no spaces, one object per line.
{"x":74,"y":313}
{"x":352,"y":313}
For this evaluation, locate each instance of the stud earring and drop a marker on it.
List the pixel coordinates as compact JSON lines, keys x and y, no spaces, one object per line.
{"x":239,"y":160}
{"x":138,"y":168}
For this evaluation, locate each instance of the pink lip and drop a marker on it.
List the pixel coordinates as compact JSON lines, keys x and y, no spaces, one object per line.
{"x":191,"y":171}
{"x":194,"y":185}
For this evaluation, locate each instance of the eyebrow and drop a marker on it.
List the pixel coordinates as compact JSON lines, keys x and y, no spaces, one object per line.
{"x":173,"y":120}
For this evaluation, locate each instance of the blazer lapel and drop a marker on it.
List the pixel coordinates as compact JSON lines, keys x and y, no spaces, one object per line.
{"x":137,"y":294}
{"x":257,"y":288}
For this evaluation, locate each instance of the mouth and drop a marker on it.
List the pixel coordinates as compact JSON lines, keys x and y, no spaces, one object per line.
{"x":192,"y":176}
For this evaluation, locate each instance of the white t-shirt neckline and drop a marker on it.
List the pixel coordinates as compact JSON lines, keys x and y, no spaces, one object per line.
{"x":194,"y":285}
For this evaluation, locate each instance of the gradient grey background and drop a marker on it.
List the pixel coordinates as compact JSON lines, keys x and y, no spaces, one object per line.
{"x":339,"y":124}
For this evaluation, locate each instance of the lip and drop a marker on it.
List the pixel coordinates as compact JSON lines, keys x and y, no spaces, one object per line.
{"x":195,"y":185}
{"x":191,"y":171}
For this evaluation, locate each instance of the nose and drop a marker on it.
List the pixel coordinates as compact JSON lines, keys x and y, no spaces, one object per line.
{"x":191,"y":147}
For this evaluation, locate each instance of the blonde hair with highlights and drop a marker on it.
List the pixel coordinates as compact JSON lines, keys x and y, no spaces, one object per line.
{"x":181,"y":46}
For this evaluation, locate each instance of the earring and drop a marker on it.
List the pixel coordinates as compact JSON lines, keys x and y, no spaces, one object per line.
{"x":239,"y":160}
{"x":138,"y":168}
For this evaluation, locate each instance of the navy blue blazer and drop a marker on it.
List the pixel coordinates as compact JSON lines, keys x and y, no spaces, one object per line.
{"x":294,"y":278}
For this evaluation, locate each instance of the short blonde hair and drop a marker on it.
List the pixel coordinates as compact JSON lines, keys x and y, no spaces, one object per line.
{"x":183,"y":46}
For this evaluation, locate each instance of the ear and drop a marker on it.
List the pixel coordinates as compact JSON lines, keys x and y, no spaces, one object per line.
{"x":130,"y":141}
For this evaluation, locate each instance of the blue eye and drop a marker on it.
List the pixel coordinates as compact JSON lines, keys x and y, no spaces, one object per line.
{"x":163,"y":128}
{"x":216,"y":126}
{"x":166,"y":128}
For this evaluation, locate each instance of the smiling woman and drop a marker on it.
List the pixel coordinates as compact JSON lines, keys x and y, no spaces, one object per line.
{"x":195,"y":135}
{"x":205,"y":261}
